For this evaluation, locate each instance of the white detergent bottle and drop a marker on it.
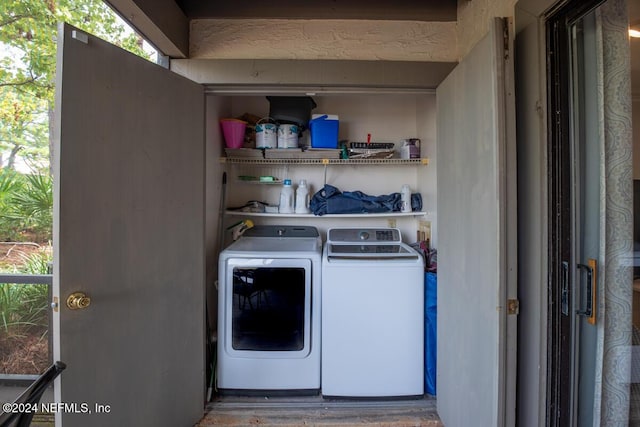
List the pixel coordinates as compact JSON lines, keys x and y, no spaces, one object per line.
{"x":302,"y":198}
{"x":406,"y":198}
{"x":286,"y":197}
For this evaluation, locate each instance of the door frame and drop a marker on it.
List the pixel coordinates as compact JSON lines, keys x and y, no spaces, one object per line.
{"x":559,"y":388}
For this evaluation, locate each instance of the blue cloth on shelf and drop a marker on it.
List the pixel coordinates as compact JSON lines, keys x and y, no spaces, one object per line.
{"x":330,"y":200}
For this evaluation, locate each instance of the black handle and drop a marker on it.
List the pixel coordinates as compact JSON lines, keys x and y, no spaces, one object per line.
{"x":564,"y":291}
{"x":588,"y":311}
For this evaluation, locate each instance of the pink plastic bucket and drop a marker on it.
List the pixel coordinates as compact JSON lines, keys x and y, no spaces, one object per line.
{"x":233,"y":131}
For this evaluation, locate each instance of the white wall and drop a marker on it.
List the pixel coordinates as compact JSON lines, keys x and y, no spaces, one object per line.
{"x":427,"y":182}
{"x":388,"y":118}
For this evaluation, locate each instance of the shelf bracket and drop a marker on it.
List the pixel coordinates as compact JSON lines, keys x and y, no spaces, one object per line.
{"x":325,"y":173}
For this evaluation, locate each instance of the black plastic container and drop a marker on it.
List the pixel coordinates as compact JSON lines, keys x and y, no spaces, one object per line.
{"x":294,"y":110}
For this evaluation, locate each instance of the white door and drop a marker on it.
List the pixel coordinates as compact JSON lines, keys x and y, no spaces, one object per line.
{"x":129,"y":233}
{"x":476,"y":231}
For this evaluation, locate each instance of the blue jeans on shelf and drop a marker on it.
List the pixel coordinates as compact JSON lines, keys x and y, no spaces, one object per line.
{"x":330,"y":200}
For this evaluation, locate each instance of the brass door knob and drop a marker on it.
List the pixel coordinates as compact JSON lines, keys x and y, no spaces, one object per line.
{"x":78,"y":300}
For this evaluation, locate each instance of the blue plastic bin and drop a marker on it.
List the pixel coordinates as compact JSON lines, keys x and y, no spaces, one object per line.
{"x":324,"y":131}
{"x":430,"y":329}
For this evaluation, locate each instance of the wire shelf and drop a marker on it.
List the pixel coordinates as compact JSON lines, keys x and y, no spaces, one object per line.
{"x":253,"y":161}
{"x":310,"y":215}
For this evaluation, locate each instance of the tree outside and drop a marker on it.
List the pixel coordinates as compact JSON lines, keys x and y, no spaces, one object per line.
{"x":28,"y":32}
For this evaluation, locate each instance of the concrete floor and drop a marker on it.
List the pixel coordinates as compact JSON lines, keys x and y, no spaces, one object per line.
{"x":291,"y":411}
{"x":316,"y":411}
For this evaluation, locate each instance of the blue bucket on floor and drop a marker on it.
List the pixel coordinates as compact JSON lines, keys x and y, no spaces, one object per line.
{"x":430,"y":329}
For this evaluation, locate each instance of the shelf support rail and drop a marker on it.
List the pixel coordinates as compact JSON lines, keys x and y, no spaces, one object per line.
{"x":325,"y":163}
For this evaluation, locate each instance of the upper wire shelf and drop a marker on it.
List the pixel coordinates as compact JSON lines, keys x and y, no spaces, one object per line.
{"x":258,"y":161}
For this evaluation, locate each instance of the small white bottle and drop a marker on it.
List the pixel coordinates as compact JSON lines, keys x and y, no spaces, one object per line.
{"x":286,"y":197}
{"x":405,"y":198}
{"x":302,"y":198}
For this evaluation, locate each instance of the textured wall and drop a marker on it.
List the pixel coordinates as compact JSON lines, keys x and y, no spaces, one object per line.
{"x":347,"y":39}
{"x":474,"y":18}
{"x":323,"y":39}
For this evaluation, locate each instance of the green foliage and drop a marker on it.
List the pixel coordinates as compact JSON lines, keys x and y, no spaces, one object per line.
{"x":28,"y":33}
{"x":26,"y":206}
{"x":37,"y":262}
{"x":24,"y":307}
{"x":23,"y":127}
{"x":10,"y":184}
{"x":29,"y":29}
{"x":34,"y":206}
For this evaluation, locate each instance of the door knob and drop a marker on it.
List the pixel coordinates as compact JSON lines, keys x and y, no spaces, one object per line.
{"x":78,"y":300}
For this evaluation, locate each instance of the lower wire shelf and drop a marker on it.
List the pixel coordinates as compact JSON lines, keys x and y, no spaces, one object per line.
{"x":310,"y":215}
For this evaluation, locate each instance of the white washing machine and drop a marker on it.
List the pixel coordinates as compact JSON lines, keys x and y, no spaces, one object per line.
{"x":269,"y":310}
{"x":372,"y":315}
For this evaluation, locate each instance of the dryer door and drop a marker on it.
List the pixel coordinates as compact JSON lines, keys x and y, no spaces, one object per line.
{"x":267,"y":307}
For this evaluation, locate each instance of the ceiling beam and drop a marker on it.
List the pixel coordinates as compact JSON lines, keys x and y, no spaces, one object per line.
{"x":161,"y":22}
{"x":313,"y":75}
{"x":397,"y":10}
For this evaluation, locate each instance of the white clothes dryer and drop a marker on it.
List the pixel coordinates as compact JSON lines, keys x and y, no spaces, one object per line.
{"x":372,"y":315}
{"x":269,"y":311}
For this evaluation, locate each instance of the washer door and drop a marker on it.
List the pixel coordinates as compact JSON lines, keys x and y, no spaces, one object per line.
{"x":268,"y":307}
